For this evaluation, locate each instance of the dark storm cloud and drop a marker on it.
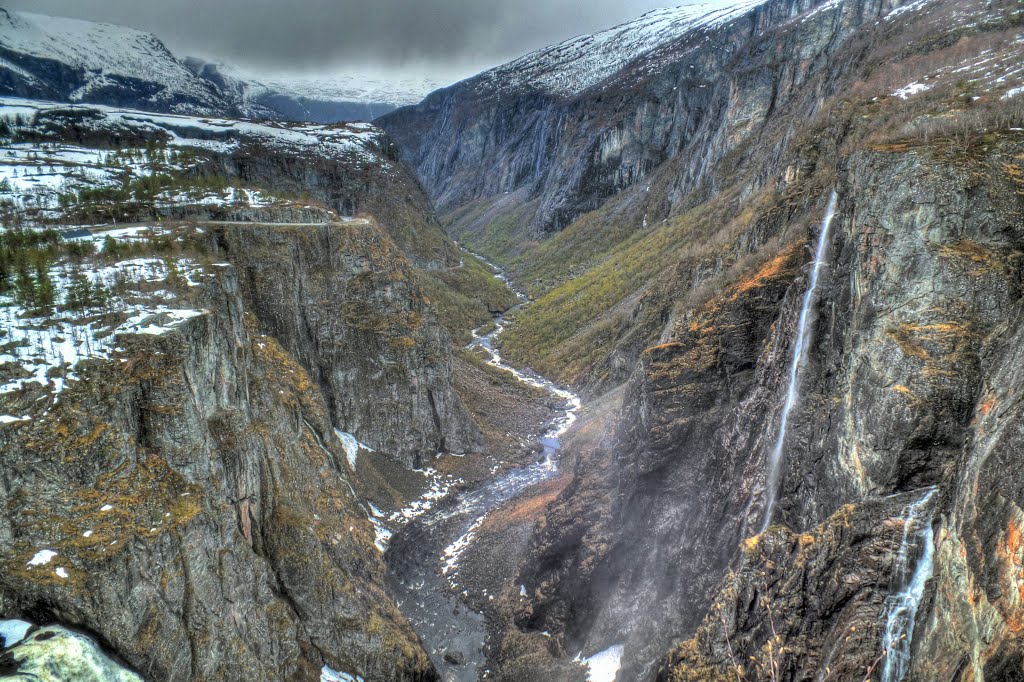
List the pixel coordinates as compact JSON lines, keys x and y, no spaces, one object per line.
{"x":315,"y":35}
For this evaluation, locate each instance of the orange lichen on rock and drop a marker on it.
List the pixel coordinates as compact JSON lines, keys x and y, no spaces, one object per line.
{"x":672,"y":345}
{"x":987,"y":403}
{"x":779,"y":266}
{"x":1012,"y":574}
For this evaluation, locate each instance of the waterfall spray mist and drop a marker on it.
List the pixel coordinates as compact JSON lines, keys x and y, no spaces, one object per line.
{"x":799,"y":352}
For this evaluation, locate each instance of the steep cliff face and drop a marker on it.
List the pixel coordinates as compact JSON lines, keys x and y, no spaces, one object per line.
{"x":922,"y":307}
{"x":694,"y":416}
{"x":911,"y":330}
{"x":778,"y":93}
{"x":340,"y":297}
{"x":351,"y":169}
{"x":806,"y":606}
{"x":914,"y":333}
{"x":183,"y":402}
{"x":198,"y":510}
{"x":562,"y":139}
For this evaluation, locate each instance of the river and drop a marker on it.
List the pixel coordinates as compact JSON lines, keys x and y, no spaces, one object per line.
{"x":423,"y":557}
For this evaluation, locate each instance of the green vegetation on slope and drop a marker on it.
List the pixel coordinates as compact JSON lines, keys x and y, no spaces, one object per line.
{"x":465,"y":297}
{"x":571,"y":331}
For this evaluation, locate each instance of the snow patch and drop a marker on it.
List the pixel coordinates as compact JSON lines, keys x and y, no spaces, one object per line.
{"x":908,"y":91}
{"x":42,"y":557}
{"x":602,"y":666}
{"x":329,"y":675}
{"x":48,"y":348}
{"x":912,"y":7}
{"x":351,"y":445}
{"x":453,"y":552}
{"x":13,"y":631}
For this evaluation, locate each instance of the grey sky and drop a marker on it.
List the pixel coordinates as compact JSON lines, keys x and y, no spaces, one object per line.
{"x":417,"y":38}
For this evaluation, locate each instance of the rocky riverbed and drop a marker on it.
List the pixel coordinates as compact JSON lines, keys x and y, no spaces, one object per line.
{"x":424,"y":559}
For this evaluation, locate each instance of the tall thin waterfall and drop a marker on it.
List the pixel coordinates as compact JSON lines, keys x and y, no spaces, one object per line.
{"x":799,"y":352}
{"x":902,"y":606}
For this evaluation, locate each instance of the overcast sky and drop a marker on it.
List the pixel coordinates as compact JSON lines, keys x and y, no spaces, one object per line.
{"x":444,"y":38}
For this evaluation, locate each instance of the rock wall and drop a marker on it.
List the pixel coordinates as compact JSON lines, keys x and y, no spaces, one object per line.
{"x":337,"y":292}
{"x":913,"y":338}
{"x":378,"y":185}
{"x":341,"y":299}
{"x":201,"y":511}
{"x":692,"y":101}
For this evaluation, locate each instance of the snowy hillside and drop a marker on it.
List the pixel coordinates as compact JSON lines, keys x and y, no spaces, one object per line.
{"x":157,"y":168}
{"x":82,"y":61}
{"x":574,"y":65}
{"x":339,"y":87}
{"x":70,"y":60}
{"x":340,"y":97}
{"x":222,"y":135}
{"x":355,"y":88}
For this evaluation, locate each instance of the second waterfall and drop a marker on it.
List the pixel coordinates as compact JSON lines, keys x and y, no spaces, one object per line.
{"x":803,"y":339}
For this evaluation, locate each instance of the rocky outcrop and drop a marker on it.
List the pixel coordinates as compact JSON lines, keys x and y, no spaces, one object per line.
{"x":684,"y":471}
{"x":352,"y":170}
{"x":341,"y":299}
{"x":200,"y":513}
{"x":910,"y":357}
{"x":345,"y":303}
{"x":378,"y":185}
{"x":805,"y":607}
{"x":909,"y":330}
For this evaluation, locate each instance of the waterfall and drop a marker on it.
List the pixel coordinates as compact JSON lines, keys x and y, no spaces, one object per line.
{"x":799,"y":351}
{"x":902,"y":606}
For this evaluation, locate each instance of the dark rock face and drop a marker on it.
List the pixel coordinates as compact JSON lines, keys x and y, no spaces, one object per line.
{"x":801,"y":607}
{"x":692,"y":101}
{"x":907,"y":383}
{"x":915,"y":335}
{"x":339,"y":296}
{"x":380,"y":186}
{"x":694,"y":415}
{"x":202,"y":513}
{"x":341,"y":300}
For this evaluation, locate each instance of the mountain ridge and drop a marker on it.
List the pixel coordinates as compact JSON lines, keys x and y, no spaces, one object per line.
{"x":55,"y":58}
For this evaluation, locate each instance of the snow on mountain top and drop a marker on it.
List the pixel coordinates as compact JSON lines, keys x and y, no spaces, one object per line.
{"x":101,"y":50}
{"x":580,"y":63}
{"x":87,"y":44}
